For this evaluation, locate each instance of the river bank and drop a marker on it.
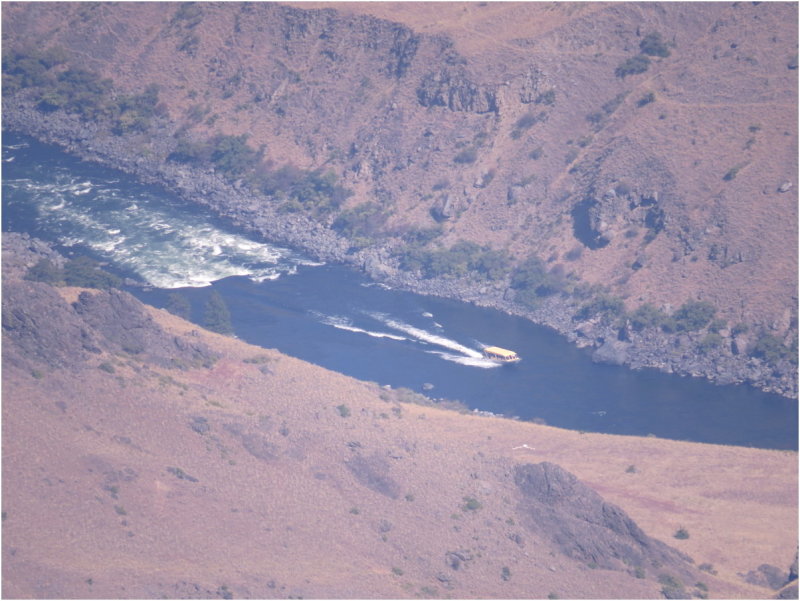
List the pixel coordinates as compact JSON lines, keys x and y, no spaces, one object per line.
{"x":140,"y":154}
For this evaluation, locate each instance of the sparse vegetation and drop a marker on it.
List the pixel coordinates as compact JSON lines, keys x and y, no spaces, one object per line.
{"x":611,"y":307}
{"x":730,"y":175}
{"x":707,"y":567}
{"x":772,"y":349}
{"x":671,"y":587}
{"x":466,"y":156}
{"x":459,"y":260}
{"x":653,"y":45}
{"x":632,"y":66}
{"x":45,"y":271}
{"x":681,"y":533}
{"x":532,"y":281}
{"x":361,"y":224}
{"x":86,"y":273}
{"x":471,"y":504}
{"x":646,"y":99}
{"x":178,"y":304}
{"x":689,"y":317}
{"x":216,"y":315}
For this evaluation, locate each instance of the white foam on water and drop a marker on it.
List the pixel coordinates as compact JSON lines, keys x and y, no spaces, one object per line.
{"x":431,"y":338}
{"x":165,"y":247}
{"x":469,"y":361}
{"x":342,"y":323}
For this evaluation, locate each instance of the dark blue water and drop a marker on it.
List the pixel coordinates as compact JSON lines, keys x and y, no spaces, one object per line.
{"x":333,"y":317}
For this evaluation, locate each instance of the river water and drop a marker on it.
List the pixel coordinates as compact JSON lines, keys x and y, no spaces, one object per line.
{"x":334,"y":317}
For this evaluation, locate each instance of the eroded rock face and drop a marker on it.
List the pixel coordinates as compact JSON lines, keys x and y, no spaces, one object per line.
{"x":587,"y":528}
{"x":457,"y":92}
{"x":125,"y":325}
{"x":46,"y":329}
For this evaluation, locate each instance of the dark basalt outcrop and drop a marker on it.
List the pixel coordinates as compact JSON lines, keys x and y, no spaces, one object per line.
{"x":47,"y":329}
{"x":585,"y":527}
{"x":44,"y":328}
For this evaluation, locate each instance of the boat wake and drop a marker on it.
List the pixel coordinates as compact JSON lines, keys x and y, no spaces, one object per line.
{"x":342,"y":323}
{"x":449,"y":350}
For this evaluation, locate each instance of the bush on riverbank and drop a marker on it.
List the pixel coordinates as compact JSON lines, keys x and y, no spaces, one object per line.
{"x":461,"y":258}
{"x":80,"y":271}
{"x":533,"y":281}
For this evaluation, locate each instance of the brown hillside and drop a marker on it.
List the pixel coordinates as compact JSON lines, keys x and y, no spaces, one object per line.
{"x":262,"y":476}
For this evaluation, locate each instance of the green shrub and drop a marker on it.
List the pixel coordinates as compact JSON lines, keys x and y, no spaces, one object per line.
{"x":107,"y":367}
{"x":690,"y":317}
{"x":466,"y":156}
{"x":646,"y":316}
{"x":361,"y":222}
{"x":344,"y":410}
{"x":548,"y":98}
{"x":527,"y":121}
{"x":710,"y":341}
{"x":86,"y":273}
{"x":707,"y":567}
{"x":45,"y":271}
{"x":531,"y":279}
{"x":731,"y":174}
{"x":505,"y":573}
{"x":653,"y":45}
{"x":604,"y":304}
{"x":461,"y":258}
{"x":179,"y":305}
{"x":471,"y":504}
{"x":771,"y":348}
{"x":681,"y":534}
{"x":646,"y":99}
{"x":216,"y":315}
{"x":633,"y":66}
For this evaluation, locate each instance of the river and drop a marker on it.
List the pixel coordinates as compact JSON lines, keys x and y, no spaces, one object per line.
{"x":334,"y":317}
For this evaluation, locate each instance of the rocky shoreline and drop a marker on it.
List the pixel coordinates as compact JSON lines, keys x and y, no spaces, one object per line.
{"x":672,"y":353}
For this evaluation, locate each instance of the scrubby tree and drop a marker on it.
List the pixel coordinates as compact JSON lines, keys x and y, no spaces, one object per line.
{"x":45,"y":271}
{"x":216,"y":315}
{"x":86,"y":273}
{"x":179,"y":305}
{"x":653,"y":45}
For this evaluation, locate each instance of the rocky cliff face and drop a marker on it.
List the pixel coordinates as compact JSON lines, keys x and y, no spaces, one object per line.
{"x":642,"y":152}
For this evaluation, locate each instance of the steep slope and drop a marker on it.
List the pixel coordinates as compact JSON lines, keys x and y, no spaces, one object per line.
{"x":258,"y":475}
{"x":639,"y":156}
